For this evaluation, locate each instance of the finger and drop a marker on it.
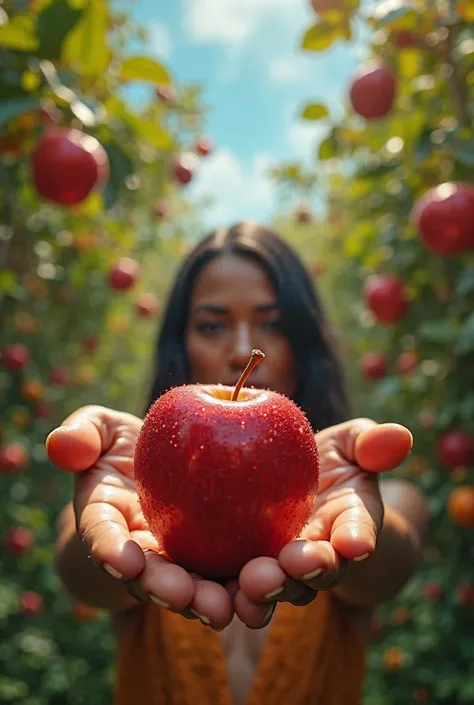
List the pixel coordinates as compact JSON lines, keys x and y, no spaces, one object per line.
{"x":74,"y":447}
{"x":354,"y":531}
{"x":262,"y":579}
{"x":104,"y":532}
{"x":212,"y":604}
{"x":383,"y":447}
{"x":314,"y":563}
{"x":167,"y":584}
{"x":255,"y":615}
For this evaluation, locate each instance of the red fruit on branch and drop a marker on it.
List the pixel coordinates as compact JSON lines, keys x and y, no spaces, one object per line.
{"x":124,"y":274}
{"x":19,"y":540}
{"x":13,"y":458}
{"x":403,"y":38}
{"x":225,"y":474}
{"x":204,"y":146}
{"x":147,"y":305}
{"x":406,"y":361}
{"x":67,"y":165}
{"x":465,"y":595}
{"x":59,"y":376}
{"x":432,"y":591}
{"x":30,"y":603}
{"x":385,"y":297}
{"x":324,"y":6}
{"x":374,"y":365}
{"x":15,"y":356}
{"x":45,"y":410}
{"x":455,"y":448}
{"x":90,"y":343}
{"x":373,"y":89}
{"x":444,"y":218}
{"x":461,"y":506}
{"x":182,"y":169}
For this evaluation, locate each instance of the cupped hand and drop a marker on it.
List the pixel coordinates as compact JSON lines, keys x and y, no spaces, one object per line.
{"x":347,"y":517}
{"x":98,"y":444}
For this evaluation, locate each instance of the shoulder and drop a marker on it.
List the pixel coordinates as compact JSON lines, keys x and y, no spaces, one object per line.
{"x":407,"y":499}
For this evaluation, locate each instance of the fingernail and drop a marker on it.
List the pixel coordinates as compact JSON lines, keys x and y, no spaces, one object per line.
{"x":268,"y":616}
{"x":274,"y":593}
{"x":205,"y":620}
{"x":111,"y":571}
{"x":160,"y":603}
{"x":314,"y":574}
{"x":363,"y":557}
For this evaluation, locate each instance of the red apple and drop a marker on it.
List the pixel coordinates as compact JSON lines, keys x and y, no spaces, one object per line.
{"x":45,"y":410}
{"x":403,"y":38}
{"x":15,"y":356}
{"x":124,"y":274}
{"x":19,"y":540}
{"x":183,"y":168}
{"x":90,"y":343}
{"x":455,"y":448}
{"x":323,"y":6}
{"x":67,"y":165}
{"x":432,"y":591}
{"x":160,"y":210}
{"x":406,"y":361}
{"x":204,"y":146}
{"x":444,"y":218}
{"x":165,"y":93}
{"x":373,"y":89}
{"x":225,"y":475}
{"x":465,"y":595}
{"x":374,"y":365}
{"x":30,"y":603}
{"x":147,"y":305}
{"x":385,"y":297}
{"x":13,"y":457}
{"x":59,"y":376}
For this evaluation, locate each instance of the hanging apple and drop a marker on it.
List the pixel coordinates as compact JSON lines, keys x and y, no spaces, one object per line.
{"x":13,"y":458}
{"x":19,"y":540}
{"x":204,"y":146}
{"x":373,"y":89}
{"x":67,"y":165}
{"x":374,"y":365}
{"x":147,"y":305}
{"x":324,"y":6}
{"x":124,"y":273}
{"x":461,"y":506}
{"x":45,"y":410}
{"x":444,"y":218}
{"x":385,"y":297}
{"x":59,"y":376}
{"x":15,"y":356}
{"x":183,"y":167}
{"x":455,"y":448}
{"x":30,"y":603}
{"x":90,"y":343}
{"x":225,"y":474}
{"x":406,"y":361}
{"x":432,"y":591}
{"x":404,"y":38}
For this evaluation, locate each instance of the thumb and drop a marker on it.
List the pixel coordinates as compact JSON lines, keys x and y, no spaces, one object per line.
{"x":382,"y":447}
{"x":76,"y":445}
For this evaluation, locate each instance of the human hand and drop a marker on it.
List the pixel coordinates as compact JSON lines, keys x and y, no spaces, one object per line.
{"x":348,"y":515}
{"x":98,"y":445}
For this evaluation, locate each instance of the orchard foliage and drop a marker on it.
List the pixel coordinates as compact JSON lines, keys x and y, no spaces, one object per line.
{"x":397,"y":174}
{"x":93,"y":220}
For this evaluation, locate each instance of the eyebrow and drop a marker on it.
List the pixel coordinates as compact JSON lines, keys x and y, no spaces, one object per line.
{"x":212,"y":308}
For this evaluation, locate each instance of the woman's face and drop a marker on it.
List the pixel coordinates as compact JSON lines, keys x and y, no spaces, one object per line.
{"x":233,"y":309}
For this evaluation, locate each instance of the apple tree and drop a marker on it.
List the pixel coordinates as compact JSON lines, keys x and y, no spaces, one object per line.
{"x":93,"y":220}
{"x":398,"y":168}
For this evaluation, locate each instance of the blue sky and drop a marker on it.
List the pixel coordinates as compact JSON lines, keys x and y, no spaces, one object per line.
{"x":245,"y":53}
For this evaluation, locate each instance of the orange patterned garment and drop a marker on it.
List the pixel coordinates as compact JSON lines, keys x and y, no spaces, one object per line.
{"x":314,"y":655}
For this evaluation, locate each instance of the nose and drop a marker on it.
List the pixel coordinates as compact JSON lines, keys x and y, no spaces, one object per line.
{"x":241,"y":347}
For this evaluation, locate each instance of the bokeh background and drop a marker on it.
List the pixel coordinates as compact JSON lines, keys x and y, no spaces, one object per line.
{"x":212,"y":111}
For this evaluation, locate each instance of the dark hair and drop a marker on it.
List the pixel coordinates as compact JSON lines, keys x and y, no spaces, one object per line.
{"x":321,"y":391}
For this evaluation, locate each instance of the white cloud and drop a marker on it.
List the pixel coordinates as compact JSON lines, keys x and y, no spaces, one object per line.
{"x":238,"y":190}
{"x":289,"y":69}
{"x":159,"y":39}
{"x":304,"y":138}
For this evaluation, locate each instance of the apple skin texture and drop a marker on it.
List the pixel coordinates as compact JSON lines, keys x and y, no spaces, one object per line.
{"x":223,"y":482}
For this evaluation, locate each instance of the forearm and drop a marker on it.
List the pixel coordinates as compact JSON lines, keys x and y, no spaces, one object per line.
{"x":384,"y":574}
{"x":85,"y":581}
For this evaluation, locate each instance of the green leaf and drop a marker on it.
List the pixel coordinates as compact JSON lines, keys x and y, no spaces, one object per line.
{"x":443,"y":331}
{"x":465,"y":283}
{"x":465,"y":342}
{"x":54,"y":24}
{"x":319,"y":37}
{"x":17,"y":106}
{"x":141,"y":68}
{"x":8,"y":281}
{"x":409,"y":63}
{"x":19,"y":33}
{"x":86,"y":47}
{"x":153,"y":133}
{"x":314,"y":111}
{"x":465,"y":152}
{"x":423,"y":146}
{"x":402,"y":15}
{"x":121,"y":167}
{"x":328,"y":148}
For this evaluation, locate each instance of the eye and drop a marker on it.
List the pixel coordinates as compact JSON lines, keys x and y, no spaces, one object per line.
{"x":209,"y":327}
{"x":272,"y":325}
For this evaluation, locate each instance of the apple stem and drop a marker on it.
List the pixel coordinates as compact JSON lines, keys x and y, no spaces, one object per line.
{"x":255,"y":359}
